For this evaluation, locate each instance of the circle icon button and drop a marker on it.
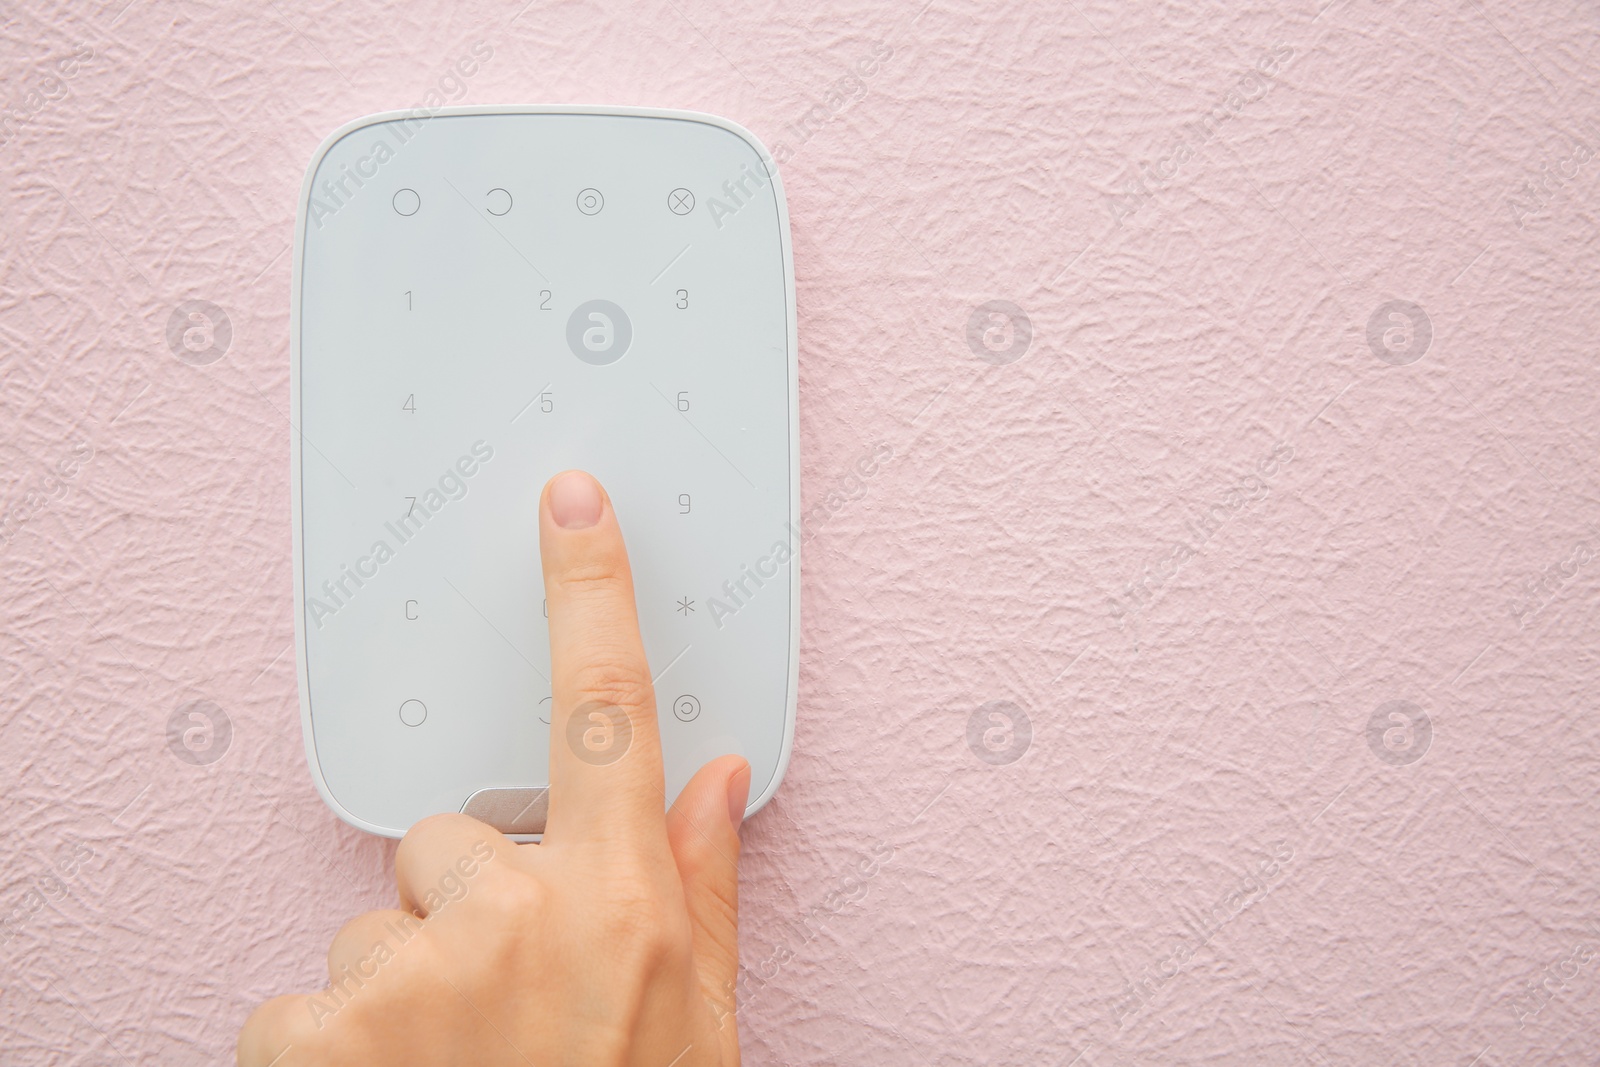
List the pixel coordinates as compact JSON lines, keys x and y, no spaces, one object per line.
{"x":681,"y":201}
{"x":599,"y":332}
{"x":406,"y":202}
{"x":686,"y":708}
{"x":499,"y":201}
{"x":590,"y":201}
{"x":413,"y":712}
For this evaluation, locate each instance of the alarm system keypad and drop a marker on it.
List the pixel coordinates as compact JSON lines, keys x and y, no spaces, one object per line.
{"x":506,"y":297}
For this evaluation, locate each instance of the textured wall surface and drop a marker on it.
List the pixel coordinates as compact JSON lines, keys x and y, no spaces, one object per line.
{"x":1207,"y":677}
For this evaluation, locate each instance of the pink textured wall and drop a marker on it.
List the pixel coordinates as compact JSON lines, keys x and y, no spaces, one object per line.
{"x":1200,"y":520}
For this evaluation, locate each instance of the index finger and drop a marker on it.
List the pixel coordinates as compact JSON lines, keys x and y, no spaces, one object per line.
{"x":605,"y":746}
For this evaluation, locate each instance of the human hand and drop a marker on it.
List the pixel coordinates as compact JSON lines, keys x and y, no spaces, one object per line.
{"x":612,"y":942}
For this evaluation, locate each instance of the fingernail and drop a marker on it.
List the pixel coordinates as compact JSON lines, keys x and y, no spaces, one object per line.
{"x":575,"y":500}
{"x":738,"y":795}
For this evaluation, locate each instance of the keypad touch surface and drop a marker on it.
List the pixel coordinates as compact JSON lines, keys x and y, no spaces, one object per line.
{"x":486,"y":297}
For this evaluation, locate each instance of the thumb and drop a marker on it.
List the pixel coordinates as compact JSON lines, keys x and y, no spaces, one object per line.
{"x":703,"y":830}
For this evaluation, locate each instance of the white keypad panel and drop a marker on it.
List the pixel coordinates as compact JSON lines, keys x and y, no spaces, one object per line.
{"x":486,"y":300}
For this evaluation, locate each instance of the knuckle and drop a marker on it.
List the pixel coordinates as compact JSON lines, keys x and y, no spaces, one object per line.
{"x":443,"y":821}
{"x":352,"y":934}
{"x":429,"y":829}
{"x":514,"y":897}
{"x":715,"y":897}
{"x":273,"y":1028}
{"x":653,"y":937}
{"x":613,"y":678}
{"x":351,"y":928}
{"x":414,"y":838}
{"x":598,"y":577}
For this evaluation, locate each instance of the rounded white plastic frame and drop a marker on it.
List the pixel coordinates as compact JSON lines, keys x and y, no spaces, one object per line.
{"x":302,"y":216}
